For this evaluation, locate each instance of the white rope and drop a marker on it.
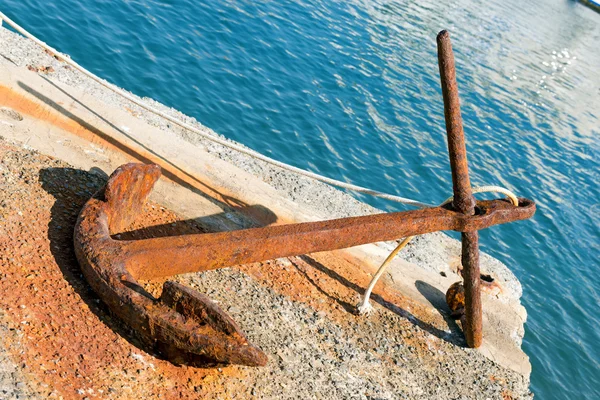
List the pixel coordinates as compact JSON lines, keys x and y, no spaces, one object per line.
{"x":210,"y":137}
{"x":489,"y":189}
{"x":365,"y":307}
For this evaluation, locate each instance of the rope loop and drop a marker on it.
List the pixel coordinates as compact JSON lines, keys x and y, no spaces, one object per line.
{"x":365,"y":307}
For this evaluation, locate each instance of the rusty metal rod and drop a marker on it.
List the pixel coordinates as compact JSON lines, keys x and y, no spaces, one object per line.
{"x":463,"y":197}
{"x":166,"y":256}
{"x":471,"y":275}
{"x":457,"y":150}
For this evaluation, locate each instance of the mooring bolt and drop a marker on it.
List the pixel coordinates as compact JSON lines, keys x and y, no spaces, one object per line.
{"x":186,"y":326}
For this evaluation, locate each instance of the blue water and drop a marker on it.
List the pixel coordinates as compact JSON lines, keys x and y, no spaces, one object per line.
{"x":350,"y":89}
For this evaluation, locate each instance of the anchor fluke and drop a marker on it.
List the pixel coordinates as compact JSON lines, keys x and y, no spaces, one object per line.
{"x":184,"y":325}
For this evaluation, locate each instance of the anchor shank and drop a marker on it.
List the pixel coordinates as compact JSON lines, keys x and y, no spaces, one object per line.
{"x":166,"y":256}
{"x":158,"y":257}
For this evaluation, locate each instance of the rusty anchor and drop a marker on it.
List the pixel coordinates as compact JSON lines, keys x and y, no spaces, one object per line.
{"x":186,"y":326}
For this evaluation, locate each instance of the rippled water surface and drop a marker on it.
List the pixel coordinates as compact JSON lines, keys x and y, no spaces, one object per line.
{"x":350,"y":89}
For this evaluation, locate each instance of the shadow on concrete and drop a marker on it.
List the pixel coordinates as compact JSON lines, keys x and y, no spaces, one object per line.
{"x":350,"y":308}
{"x":169,"y":170}
{"x":438,"y":300}
{"x":451,"y":337}
{"x":72,"y":188}
{"x":188,"y":227}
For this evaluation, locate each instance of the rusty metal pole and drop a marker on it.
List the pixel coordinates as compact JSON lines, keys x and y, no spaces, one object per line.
{"x":463,"y":197}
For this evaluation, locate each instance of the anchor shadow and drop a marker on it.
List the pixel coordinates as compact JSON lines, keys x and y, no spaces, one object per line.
{"x":432,"y":294}
{"x":72,"y":188}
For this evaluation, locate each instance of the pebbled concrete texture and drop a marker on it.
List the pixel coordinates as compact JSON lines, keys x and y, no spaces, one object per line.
{"x":60,"y":341}
{"x":59,"y":112}
{"x":13,"y":382}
